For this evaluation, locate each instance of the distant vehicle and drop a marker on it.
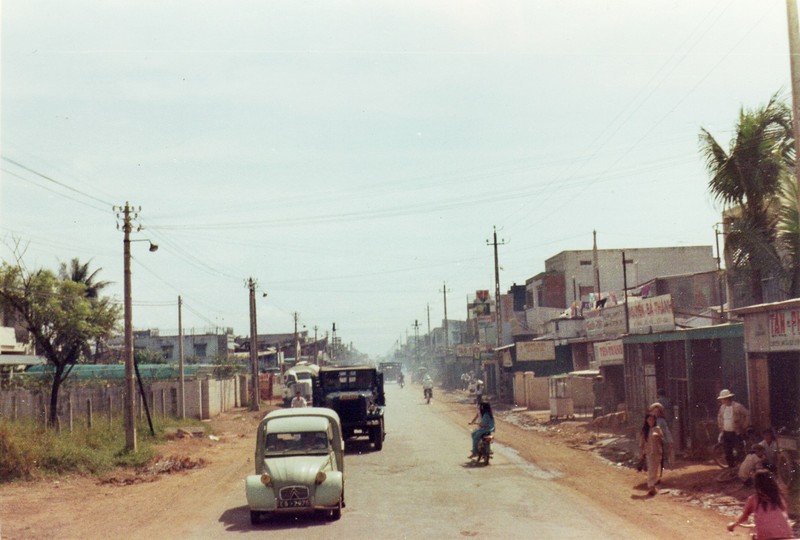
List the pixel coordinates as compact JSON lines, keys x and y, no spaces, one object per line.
{"x":356,"y":394}
{"x":301,"y":377}
{"x":391,"y":371}
{"x":299,"y":464}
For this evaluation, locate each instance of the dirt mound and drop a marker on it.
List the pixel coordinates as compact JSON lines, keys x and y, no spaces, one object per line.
{"x":150,"y":473}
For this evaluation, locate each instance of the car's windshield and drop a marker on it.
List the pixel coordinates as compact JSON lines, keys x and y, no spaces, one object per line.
{"x":355,"y":379}
{"x":303,"y":442}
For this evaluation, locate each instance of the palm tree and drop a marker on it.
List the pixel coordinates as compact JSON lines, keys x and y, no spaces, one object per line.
{"x":79,"y":273}
{"x":748,"y":181}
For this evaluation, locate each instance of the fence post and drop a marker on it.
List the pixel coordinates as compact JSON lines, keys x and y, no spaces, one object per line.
{"x":89,"y":413}
{"x":69,"y":411}
{"x":14,"y":407}
{"x":44,"y":410}
{"x":163,"y":403}
{"x":110,"y":410}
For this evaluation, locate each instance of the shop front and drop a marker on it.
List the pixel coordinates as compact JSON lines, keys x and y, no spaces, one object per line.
{"x":772,"y":344}
{"x":691,"y":366}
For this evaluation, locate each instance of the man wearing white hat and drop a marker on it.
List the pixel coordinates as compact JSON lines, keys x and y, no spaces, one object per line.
{"x":732,"y":420}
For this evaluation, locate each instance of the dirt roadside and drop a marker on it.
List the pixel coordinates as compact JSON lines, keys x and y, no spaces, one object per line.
{"x":687,"y":494}
{"x":188,"y":469}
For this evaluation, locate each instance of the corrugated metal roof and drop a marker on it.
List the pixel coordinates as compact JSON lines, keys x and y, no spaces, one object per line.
{"x":719,"y":331}
{"x":760,"y":308}
{"x":21,"y":360}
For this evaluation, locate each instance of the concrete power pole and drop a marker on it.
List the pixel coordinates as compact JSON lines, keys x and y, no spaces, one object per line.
{"x":130,"y":385}
{"x":416,"y":340}
{"x":595,"y":267}
{"x":333,"y":344}
{"x":254,"y":402}
{"x":428,"y":338}
{"x":180,"y":359}
{"x":316,"y":345}
{"x":446,"y":329}
{"x":794,"y":63}
{"x":497,"y":312}
{"x":295,"y":316}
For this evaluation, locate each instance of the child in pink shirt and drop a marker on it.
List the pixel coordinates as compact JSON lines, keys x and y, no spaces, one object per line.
{"x":769,"y":509}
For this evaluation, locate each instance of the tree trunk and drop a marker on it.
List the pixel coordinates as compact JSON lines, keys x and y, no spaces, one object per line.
{"x":57,"y":380}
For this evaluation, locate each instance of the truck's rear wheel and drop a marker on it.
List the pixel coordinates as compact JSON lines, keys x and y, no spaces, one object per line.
{"x":377,"y":436}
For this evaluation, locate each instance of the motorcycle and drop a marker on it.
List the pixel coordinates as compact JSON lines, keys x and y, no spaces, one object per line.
{"x":428,"y":394}
{"x":485,"y":449}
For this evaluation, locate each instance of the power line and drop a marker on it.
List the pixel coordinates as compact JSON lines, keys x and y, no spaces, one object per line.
{"x":53,"y":180}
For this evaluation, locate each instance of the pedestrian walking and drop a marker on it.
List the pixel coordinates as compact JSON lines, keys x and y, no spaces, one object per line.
{"x":658,"y":410}
{"x":733,"y":420}
{"x":651,"y":449}
{"x":299,"y":400}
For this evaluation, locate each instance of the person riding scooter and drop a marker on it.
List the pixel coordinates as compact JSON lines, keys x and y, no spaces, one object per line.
{"x":485,"y":427}
{"x":427,"y":387}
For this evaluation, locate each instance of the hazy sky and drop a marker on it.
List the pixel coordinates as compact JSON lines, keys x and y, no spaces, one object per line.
{"x":353,"y":156}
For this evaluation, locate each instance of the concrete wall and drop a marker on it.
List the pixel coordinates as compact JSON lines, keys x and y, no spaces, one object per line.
{"x":530,"y":391}
{"x":204,"y":399}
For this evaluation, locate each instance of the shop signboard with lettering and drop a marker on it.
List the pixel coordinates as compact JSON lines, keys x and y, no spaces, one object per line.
{"x":609,"y":353}
{"x":784,"y":330}
{"x":593,"y":321}
{"x":537,"y":351}
{"x":471,"y":350}
{"x":651,"y":315}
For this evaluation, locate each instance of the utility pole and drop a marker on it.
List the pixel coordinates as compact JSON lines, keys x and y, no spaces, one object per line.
{"x":719,"y":274}
{"x":128,"y":214}
{"x":416,"y":340}
{"x":130,"y":386}
{"x":180,"y":358}
{"x":794,"y":64}
{"x":316,"y":345}
{"x":295,"y":316}
{"x":254,"y":402}
{"x":497,"y":315}
{"x":428,"y":339}
{"x":446,"y":329}
{"x":595,"y":268}
{"x":333,"y":344}
{"x":625,"y":292}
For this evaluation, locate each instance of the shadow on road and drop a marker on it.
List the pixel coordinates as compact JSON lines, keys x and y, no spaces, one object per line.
{"x":238,"y":520}
{"x":358,"y":446}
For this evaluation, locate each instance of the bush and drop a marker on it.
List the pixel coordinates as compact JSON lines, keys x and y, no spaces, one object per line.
{"x":28,"y":451}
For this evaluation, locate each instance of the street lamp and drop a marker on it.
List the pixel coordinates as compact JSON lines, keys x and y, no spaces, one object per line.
{"x":128,"y":214}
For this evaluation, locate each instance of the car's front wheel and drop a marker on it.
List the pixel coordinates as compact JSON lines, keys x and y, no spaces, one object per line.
{"x":336,"y":513}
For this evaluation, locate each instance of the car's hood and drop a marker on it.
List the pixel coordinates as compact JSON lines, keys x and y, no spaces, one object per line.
{"x":301,"y":469}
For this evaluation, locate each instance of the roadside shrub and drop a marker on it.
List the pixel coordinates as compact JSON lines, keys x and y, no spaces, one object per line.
{"x":15,"y":462}
{"x":29,"y":451}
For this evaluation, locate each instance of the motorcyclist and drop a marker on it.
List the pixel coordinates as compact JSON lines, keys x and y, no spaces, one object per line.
{"x":486,"y":426}
{"x":400,"y":379}
{"x":427,"y":385}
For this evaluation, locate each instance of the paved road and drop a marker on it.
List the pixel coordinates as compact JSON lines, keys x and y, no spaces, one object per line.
{"x":419,"y":486}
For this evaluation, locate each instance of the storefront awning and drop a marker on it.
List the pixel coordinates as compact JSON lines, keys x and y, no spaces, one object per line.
{"x":719,"y":331}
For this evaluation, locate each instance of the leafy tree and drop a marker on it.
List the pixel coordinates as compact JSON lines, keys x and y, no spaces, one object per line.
{"x":748,"y":181}
{"x":60,"y":317}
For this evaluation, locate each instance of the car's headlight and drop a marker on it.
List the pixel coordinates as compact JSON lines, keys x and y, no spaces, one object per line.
{"x":266,"y":479}
{"x":321,"y":476}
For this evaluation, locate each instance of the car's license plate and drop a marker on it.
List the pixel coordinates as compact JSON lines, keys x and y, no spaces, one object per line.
{"x":294,"y":503}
